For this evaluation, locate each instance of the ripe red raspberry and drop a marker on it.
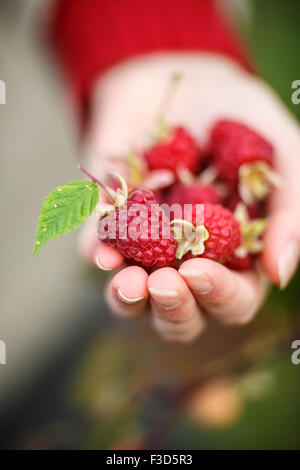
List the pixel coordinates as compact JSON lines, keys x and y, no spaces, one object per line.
{"x":233,"y":144}
{"x":251,"y":244}
{"x":239,"y":263}
{"x":215,"y":233}
{"x":224,"y":232}
{"x":255,"y":211}
{"x":193,"y":194}
{"x":140,"y":230}
{"x":178,"y":150}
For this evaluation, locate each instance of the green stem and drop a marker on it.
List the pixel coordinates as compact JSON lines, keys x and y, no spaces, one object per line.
{"x":96,"y":181}
{"x":168,"y":95}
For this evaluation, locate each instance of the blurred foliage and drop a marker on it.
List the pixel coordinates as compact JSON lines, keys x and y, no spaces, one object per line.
{"x":270,"y":422}
{"x":273,"y":36}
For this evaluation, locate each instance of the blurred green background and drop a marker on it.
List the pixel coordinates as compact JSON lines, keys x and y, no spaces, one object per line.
{"x":273,"y":36}
{"x":113,"y":384}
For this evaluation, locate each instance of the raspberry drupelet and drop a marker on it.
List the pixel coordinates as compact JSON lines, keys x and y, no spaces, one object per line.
{"x":140,"y":230}
{"x":193,"y":194}
{"x":244,"y":159}
{"x":175,"y":151}
{"x":212,"y":232}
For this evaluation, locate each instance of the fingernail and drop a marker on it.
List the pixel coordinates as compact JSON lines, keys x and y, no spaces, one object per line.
{"x":166,"y":299}
{"x":204,"y":285}
{"x":96,"y":259}
{"x":287,"y":263}
{"x":128,"y":300}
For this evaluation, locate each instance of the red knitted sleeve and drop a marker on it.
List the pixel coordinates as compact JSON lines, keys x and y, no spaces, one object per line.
{"x":92,"y":35}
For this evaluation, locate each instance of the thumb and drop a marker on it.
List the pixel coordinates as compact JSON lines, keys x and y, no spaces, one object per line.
{"x":281,"y":252}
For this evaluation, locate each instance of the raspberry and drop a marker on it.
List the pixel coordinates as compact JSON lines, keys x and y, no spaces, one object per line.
{"x":215,"y":234}
{"x":232,"y":144}
{"x":193,"y":194}
{"x":239,"y":263}
{"x":178,"y":150}
{"x":251,"y":232}
{"x":251,"y":243}
{"x":255,"y":211}
{"x":243,"y":158}
{"x":140,"y":231}
{"x":224,"y":232}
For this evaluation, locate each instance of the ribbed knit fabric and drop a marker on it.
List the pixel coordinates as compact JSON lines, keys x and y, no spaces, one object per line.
{"x":92,"y":35}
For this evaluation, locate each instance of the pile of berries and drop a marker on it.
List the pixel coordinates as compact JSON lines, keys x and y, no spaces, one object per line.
{"x":188,"y":200}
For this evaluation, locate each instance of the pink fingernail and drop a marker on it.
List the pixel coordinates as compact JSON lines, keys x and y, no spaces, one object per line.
{"x":128,"y":300}
{"x":204,"y":285}
{"x":96,"y":259}
{"x":166,"y":299}
{"x":288,"y":262}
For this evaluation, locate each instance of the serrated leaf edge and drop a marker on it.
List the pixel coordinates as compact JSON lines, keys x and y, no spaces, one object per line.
{"x":38,"y":245}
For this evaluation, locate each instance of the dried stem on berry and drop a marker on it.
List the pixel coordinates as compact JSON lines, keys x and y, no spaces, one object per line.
{"x":256,"y":180}
{"x":193,"y":241}
{"x":135,"y":176}
{"x":251,"y":231}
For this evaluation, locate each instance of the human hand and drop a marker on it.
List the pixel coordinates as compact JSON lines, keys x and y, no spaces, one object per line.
{"x":125,"y":103}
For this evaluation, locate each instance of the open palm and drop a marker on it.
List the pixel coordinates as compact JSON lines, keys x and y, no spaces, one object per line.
{"x":125,"y":104}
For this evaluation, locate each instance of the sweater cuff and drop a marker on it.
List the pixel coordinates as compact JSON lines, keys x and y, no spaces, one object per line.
{"x":92,"y":35}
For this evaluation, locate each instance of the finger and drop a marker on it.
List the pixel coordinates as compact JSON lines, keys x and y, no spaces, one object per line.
{"x":228,"y":296}
{"x":107,"y":258}
{"x":176,"y":315}
{"x":281,"y":252}
{"x":95,"y":252}
{"x":127,"y":293}
{"x":281,"y":247}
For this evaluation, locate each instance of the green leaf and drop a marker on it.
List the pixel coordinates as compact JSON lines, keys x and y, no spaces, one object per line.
{"x":64,"y":210}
